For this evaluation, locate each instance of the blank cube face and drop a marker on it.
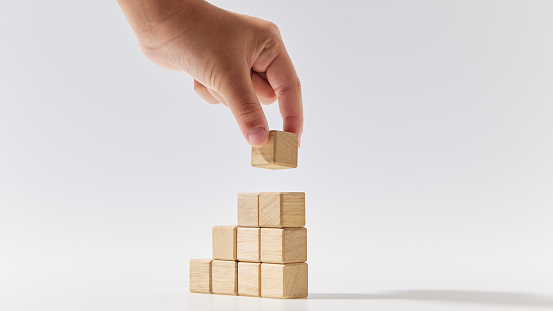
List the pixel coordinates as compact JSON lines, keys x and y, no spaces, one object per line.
{"x":284,"y":280}
{"x":249,"y":279}
{"x":224,"y":242}
{"x":200,"y":276}
{"x":281,"y":209}
{"x":283,"y":245}
{"x":248,"y":209}
{"x":224,"y":277}
{"x":248,"y":244}
{"x":280,"y":151}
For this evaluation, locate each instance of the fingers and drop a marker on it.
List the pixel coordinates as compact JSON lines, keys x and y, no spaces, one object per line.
{"x":286,"y":84}
{"x":237,"y":90}
{"x":204,"y":93}
{"x":263,"y":89}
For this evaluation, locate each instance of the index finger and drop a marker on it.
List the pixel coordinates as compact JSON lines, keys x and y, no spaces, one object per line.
{"x":286,"y":84}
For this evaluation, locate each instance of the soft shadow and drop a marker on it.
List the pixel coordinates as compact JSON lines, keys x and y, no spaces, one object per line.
{"x":472,"y":297}
{"x":346,"y":296}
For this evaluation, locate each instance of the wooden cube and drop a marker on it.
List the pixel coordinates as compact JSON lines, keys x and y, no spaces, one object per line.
{"x":283,"y":245}
{"x":224,"y":242}
{"x":249,"y":279}
{"x":284,"y":280}
{"x":281,"y":209}
{"x":248,"y":244}
{"x":224,"y":277}
{"x":248,"y":209}
{"x":200,"y":276}
{"x":280,"y":151}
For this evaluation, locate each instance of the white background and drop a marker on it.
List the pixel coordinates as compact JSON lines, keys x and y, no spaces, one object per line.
{"x":427,"y":158}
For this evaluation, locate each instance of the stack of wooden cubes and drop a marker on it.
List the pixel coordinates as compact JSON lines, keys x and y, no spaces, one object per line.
{"x":266,"y":254}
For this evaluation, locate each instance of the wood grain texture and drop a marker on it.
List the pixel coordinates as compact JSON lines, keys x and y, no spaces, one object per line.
{"x":200,"y":276}
{"x":284,"y":280}
{"x":224,"y":242}
{"x":248,"y":244}
{"x":224,"y":277}
{"x":284,"y":245}
{"x":281,"y":209}
{"x":248,"y":209}
{"x":249,"y":279}
{"x":280,"y":151}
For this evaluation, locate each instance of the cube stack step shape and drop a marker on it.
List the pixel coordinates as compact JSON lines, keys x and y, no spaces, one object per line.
{"x":264,"y":256}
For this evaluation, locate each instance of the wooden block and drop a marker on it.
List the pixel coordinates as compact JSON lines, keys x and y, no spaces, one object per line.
{"x":284,"y":280}
{"x":224,"y":242}
{"x":247,"y":244}
{"x":281,"y":209}
{"x":224,"y":277}
{"x":200,"y":276}
{"x":248,"y":209}
{"x":283,"y":245}
{"x":249,"y":279}
{"x":280,"y":151}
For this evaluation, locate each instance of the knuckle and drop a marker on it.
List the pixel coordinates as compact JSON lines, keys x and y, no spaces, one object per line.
{"x":293,"y":86}
{"x":247,"y":113}
{"x":272,"y":29}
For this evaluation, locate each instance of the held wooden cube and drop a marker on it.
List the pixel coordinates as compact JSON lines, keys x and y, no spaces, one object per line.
{"x":224,"y":242}
{"x":248,"y":244}
{"x":280,"y":151}
{"x":248,"y":209}
{"x":284,"y":280}
{"x":200,"y":276}
{"x":224,"y":277}
{"x":284,"y":245}
{"x":281,"y":209}
{"x":249,"y":279}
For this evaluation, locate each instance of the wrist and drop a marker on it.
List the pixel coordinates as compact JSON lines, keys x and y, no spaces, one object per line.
{"x":156,"y":22}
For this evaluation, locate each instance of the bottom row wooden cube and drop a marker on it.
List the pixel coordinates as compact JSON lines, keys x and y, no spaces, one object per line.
{"x":249,"y":278}
{"x":224,"y":277}
{"x":284,"y":280}
{"x":200,"y":276}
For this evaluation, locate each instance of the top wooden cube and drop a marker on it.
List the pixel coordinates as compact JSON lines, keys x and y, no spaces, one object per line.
{"x":281,"y":209}
{"x":280,"y":152}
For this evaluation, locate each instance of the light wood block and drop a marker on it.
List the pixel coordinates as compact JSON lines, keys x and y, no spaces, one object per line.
{"x":283,"y":245}
{"x":248,"y":209}
{"x":224,"y":277}
{"x":200,"y":276}
{"x":249,"y":279}
{"x":281,"y":209}
{"x":224,"y":242}
{"x":248,"y":244}
{"x":284,"y":280}
{"x":280,"y":151}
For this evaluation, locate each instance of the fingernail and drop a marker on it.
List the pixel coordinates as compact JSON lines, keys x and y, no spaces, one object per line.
{"x":257,"y":136}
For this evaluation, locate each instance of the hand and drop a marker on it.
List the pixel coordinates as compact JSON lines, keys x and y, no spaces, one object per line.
{"x":235,"y":59}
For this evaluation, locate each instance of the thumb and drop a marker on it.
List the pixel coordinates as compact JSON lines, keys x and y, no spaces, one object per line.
{"x":238,"y":92}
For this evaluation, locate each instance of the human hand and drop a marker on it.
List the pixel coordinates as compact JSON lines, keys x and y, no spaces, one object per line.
{"x":235,"y":59}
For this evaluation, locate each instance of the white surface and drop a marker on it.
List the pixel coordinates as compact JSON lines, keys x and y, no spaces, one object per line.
{"x":426,"y":159}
